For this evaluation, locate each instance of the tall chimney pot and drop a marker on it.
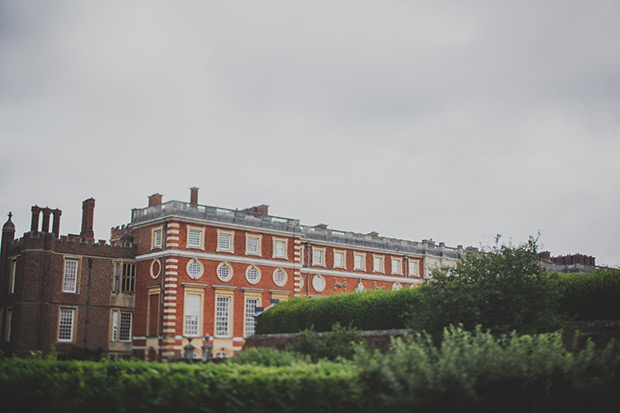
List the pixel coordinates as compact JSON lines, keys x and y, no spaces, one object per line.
{"x":155,"y":199}
{"x":88,"y":216}
{"x":36,"y":212}
{"x":45,"y":225}
{"x":56,"y":224}
{"x":193,"y":199}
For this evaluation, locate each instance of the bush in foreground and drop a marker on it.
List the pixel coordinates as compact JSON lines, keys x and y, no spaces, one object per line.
{"x":476,"y":371}
{"x":469,"y":371}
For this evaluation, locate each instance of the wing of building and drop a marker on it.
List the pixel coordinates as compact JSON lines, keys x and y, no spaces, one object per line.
{"x":181,"y":271}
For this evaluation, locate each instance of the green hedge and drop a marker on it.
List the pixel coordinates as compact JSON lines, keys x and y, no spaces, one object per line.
{"x":73,"y":386}
{"x":369,"y":310}
{"x":592,"y":296}
{"x":469,"y":371}
{"x":479,"y":372}
{"x":581,"y":297}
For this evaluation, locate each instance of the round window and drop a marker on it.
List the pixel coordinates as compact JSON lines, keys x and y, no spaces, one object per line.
{"x":252,"y":275}
{"x":279,"y":277}
{"x":318,"y":283}
{"x":194,"y":269}
{"x":224,"y":272}
{"x":396,"y":286}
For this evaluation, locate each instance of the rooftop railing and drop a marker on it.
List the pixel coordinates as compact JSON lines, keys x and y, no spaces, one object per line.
{"x":374,"y":241}
{"x":215,"y":214}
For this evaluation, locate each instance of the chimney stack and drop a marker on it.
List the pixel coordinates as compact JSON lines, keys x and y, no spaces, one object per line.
{"x":193,"y":199}
{"x":56,"y":224}
{"x":45,"y":225}
{"x":155,"y":199}
{"x":88,"y":215}
{"x":36,"y":212}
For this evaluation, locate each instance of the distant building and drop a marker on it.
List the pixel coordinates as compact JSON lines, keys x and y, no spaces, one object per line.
{"x":180,"y":271}
{"x":574,"y":263}
{"x":215,"y":266}
{"x":59,"y":292}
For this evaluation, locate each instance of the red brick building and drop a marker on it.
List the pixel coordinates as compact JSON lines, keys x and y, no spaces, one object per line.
{"x":180,"y":271}
{"x":60,"y":292}
{"x":216,"y":265}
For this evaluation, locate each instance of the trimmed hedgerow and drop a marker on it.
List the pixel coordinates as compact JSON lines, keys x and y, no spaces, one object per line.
{"x":469,"y":371}
{"x":503,"y":289}
{"x":369,"y":310}
{"x":56,"y":386}
{"x":592,"y":296}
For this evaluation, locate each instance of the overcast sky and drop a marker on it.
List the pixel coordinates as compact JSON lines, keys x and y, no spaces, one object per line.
{"x":448,"y":120}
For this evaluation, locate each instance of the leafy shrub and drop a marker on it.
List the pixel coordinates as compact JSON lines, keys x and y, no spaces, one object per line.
{"x":503,"y":289}
{"x":591,"y":296}
{"x":476,"y":371}
{"x":341,"y":342}
{"x":265,"y":356}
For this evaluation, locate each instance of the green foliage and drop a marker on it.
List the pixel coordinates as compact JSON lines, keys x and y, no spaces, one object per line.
{"x":130,"y":386}
{"x":340,"y":342}
{"x":265,"y":356}
{"x":592,"y":296}
{"x":469,"y":371}
{"x":476,"y":371}
{"x":503,"y":289}
{"x":369,"y":310}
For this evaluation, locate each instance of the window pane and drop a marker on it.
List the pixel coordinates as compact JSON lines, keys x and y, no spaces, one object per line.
{"x":224,"y":273}
{"x":194,"y":238}
{"x":339,"y":259}
{"x":252,"y":275}
{"x":224,"y":242}
{"x":70,"y":278}
{"x":250,"y":312}
{"x":222,"y":316}
{"x":157,"y":236}
{"x":252,"y":245}
{"x":279,"y":249}
{"x":192,"y":314}
{"x":65,"y":324}
{"x":125,"y":330}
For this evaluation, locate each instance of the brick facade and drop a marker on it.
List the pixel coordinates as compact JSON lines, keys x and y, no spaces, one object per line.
{"x":35,"y":291}
{"x":199,"y":270}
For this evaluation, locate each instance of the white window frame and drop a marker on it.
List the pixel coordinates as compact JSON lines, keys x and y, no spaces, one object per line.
{"x":342,"y":253}
{"x":378,"y":263}
{"x":157,"y":241}
{"x":362,"y":257}
{"x":199,"y":319}
{"x":397,"y":266}
{"x":318,"y":256}
{"x":284,"y":253}
{"x":283,"y":283}
{"x":249,"y":313}
{"x":231,"y":241}
{"x":223,"y":315}
{"x":413,"y":267}
{"x":200,"y":265}
{"x":66,"y":281}
{"x":258,"y":274}
{"x":259,"y":241}
{"x":230,"y":271}
{"x":201,"y":234}
{"x":66,"y":310}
